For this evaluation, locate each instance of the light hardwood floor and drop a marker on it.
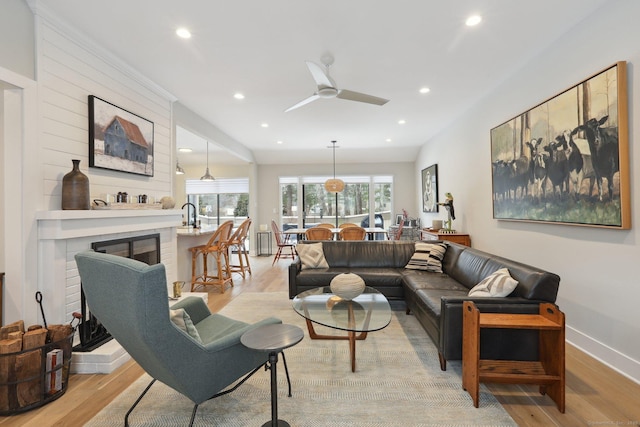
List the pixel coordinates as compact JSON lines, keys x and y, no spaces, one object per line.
{"x":595,"y":394}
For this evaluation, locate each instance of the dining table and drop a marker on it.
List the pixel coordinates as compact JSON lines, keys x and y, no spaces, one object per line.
{"x":371,"y":232}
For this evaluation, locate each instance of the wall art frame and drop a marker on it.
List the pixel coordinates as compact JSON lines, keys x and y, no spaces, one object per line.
{"x":429,"y":177}
{"x":119,"y":139}
{"x":566,"y":160}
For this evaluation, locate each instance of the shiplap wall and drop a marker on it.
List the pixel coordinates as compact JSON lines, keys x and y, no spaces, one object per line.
{"x":69,"y":70}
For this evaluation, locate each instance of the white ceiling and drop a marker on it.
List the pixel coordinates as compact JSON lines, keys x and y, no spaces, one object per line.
{"x":388,"y":49}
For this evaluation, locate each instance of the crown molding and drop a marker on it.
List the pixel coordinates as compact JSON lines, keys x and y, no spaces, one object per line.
{"x":40,"y":10}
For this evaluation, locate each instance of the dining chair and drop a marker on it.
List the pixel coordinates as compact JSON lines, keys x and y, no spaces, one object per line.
{"x":397,"y":235}
{"x":352,"y":233}
{"x":196,"y":353}
{"x":348,"y":224}
{"x":216,"y":247}
{"x":326,"y":225}
{"x":319,"y":233}
{"x":237,"y":242}
{"x":282,"y":241}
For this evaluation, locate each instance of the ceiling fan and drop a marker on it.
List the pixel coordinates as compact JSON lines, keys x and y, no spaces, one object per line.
{"x":327,"y":88}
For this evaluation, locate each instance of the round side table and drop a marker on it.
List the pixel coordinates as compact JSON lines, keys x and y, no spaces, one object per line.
{"x":273,"y":339}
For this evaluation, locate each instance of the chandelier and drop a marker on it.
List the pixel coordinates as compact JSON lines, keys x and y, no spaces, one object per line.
{"x":334,"y":185}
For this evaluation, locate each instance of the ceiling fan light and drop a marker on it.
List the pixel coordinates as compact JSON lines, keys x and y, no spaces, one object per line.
{"x":334,"y":185}
{"x":327,"y":92}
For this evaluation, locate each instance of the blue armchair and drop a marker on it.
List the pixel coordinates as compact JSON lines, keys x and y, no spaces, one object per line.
{"x":130,"y":299}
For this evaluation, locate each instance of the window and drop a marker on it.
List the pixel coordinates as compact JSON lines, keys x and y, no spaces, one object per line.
{"x":220,"y":200}
{"x":355,"y":204}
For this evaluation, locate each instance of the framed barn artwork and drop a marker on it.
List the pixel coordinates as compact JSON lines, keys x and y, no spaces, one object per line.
{"x":566,"y":160}
{"x":119,"y":139}
{"x":430,"y":189}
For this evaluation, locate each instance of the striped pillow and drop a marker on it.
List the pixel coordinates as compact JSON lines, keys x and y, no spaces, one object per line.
{"x":497,"y":284}
{"x":427,"y":257}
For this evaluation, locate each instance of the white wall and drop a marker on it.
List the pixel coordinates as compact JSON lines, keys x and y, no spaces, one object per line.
{"x":598,"y":267}
{"x":70,"y":69}
{"x":16,"y":27}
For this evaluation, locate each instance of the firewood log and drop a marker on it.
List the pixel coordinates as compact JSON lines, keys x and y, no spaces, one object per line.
{"x":28,"y":365}
{"x":11,"y":327}
{"x":8,"y":396}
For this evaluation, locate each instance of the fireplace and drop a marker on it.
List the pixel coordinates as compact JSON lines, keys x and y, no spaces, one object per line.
{"x":142,"y":248}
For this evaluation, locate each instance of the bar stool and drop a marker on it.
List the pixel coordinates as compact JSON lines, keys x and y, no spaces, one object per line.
{"x":216,"y":246}
{"x":237,"y":242}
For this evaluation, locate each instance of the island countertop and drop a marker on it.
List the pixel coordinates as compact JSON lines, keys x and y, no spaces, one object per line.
{"x":205,"y":230}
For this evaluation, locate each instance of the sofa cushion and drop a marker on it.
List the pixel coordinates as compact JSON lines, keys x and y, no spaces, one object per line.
{"x":312,"y":256}
{"x":428,"y":257}
{"x":417,"y":279}
{"x":380,"y":277}
{"x":366,"y":254}
{"x":318,"y":277}
{"x":497,"y":284}
{"x":429,"y":300}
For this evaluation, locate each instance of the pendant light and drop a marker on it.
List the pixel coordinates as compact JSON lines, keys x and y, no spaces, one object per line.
{"x":334,"y":185}
{"x":179,"y":170}
{"x":207,"y":176}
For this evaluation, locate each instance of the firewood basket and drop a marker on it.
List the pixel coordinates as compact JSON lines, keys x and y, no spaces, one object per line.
{"x":34,"y":377}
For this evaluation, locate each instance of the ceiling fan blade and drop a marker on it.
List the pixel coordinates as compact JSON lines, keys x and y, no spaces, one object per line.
{"x":319,"y":75}
{"x":361,"y":97}
{"x":303,"y":102}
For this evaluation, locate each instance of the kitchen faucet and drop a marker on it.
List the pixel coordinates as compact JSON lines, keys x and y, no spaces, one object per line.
{"x":194,"y":224}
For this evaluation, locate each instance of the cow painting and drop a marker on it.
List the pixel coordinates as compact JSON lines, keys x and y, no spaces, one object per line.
{"x":546,"y":160}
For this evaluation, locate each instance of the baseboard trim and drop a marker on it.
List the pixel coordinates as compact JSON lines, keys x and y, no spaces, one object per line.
{"x":606,"y":355}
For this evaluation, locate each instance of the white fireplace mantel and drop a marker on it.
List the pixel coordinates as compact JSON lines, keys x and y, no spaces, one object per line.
{"x":70,"y":224}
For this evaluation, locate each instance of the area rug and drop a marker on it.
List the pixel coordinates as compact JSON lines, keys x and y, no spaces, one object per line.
{"x":398,"y":382}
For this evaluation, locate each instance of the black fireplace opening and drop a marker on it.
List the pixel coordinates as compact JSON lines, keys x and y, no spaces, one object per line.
{"x":142,"y":248}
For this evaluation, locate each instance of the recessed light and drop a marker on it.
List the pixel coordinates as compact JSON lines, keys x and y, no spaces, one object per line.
{"x":185,"y":150}
{"x":279,"y":142}
{"x":265,"y":125}
{"x":402,"y":121}
{"x":183,"y":33}
{"x":473,"y":20}
{"x":425,"y":90}
{"x":238,"y":95}
{"x":388,"y":140}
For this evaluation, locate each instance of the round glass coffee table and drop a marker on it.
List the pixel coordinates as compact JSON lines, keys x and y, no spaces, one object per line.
{"x":368,"y":312}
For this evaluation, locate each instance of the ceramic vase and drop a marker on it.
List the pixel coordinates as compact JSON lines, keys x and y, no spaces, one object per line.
{"x":75,"y":189}
{"x":347,"y":285}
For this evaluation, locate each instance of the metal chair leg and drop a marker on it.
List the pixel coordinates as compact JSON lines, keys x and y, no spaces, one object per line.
{"x":126,"y":417}
{"x":193,"y":415}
